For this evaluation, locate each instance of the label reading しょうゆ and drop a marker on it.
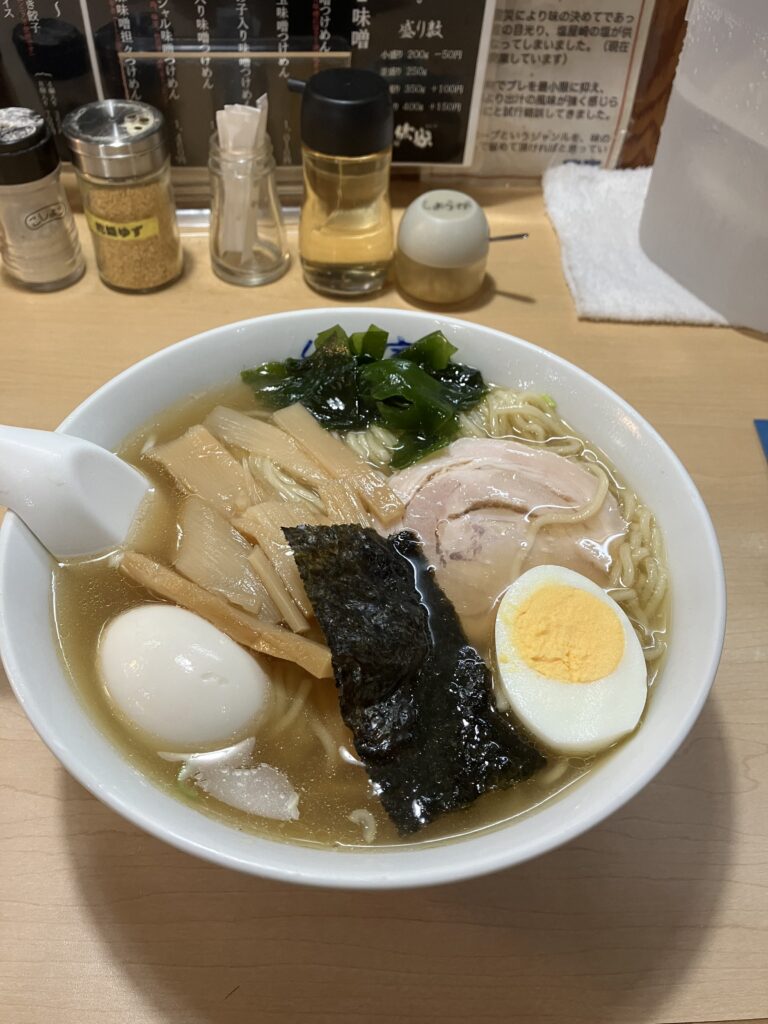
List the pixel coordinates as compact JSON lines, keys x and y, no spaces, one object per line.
{"x":124,"y":231}
{"x":46,"y":214}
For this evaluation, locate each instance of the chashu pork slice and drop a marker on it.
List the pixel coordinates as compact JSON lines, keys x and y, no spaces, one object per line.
{"x":473,"y":506}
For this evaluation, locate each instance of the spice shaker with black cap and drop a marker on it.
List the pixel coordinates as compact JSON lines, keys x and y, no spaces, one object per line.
{"x":345,"y":231}
{"x":38,"y":238}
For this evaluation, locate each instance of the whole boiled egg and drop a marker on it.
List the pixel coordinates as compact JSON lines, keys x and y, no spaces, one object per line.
{"x":569,"y":661}
{"x":179,"y":679}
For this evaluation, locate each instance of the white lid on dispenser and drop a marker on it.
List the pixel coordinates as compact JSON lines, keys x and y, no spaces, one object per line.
{"x":445,"y":229}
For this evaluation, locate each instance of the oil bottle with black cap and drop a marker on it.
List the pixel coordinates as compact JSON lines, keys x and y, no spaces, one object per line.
{"x":346,"y":241}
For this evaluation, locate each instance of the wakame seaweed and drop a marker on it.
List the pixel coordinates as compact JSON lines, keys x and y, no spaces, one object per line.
{"x":347,"y":384}
{"x":326,"y":382}
{"x":415,"y":694}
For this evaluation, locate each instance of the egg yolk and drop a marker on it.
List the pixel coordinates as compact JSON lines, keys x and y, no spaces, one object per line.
{"x":567,"y":634}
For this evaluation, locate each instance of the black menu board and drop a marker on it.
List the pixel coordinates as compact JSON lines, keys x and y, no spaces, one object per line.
{"x":45,"y":61}
{"x":190,"y":57}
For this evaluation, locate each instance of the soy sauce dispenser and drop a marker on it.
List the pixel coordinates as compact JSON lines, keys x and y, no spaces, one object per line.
{"x":346,"y":240}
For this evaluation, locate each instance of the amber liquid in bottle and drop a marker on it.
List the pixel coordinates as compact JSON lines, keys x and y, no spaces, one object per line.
{"x":345,"y":231}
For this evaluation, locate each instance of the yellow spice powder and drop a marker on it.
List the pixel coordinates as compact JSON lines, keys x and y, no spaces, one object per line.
{"x":135,"y":236}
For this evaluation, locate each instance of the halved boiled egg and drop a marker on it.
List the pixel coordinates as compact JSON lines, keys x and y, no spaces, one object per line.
{"x":569,"y":661}
{"x":179,"y":679}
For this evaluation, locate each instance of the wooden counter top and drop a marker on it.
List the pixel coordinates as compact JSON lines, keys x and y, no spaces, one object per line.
{"x":659,"y":915}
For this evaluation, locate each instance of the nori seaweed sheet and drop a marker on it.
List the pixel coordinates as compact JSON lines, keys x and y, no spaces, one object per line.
{"x":415,"y":694}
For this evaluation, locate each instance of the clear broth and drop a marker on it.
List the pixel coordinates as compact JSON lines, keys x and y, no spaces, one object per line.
{"x":89,"y":594}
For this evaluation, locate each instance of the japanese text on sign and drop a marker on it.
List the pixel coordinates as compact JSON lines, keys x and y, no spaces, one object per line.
{"x":560,"y":82}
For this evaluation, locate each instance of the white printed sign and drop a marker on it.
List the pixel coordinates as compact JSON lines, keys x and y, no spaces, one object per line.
{"x":560,"y":84}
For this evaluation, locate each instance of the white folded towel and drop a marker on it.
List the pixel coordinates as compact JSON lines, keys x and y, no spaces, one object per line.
{"x":596,"y":215}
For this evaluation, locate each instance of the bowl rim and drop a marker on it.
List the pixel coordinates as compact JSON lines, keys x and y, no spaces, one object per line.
{"x":463,"y":866}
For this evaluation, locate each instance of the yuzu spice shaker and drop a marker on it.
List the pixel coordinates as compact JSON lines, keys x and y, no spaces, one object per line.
{"x":123,"y":168}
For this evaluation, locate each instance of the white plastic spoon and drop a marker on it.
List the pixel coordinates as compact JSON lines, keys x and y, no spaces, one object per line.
{"x":76,"y":497}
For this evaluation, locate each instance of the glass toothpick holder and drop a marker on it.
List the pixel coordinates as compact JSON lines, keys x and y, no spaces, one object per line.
{"x":247,"y":232}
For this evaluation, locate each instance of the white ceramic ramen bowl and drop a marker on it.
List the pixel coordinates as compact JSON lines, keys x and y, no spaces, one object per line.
{"x":31,"y":655}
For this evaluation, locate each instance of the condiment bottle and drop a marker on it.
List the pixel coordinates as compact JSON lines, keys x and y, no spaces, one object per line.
{"x":124,"y":173}
{"x":345,"y":231}
{"x":247,"y":237}
{"x":442,"y":247}
{"x":38,"y":237}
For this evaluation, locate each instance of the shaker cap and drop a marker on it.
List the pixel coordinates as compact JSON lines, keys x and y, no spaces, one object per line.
{"x":116,"y":138}
{"x":27,"y":149}
{"x":444,"y":229}
{"x":346,"y":112}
